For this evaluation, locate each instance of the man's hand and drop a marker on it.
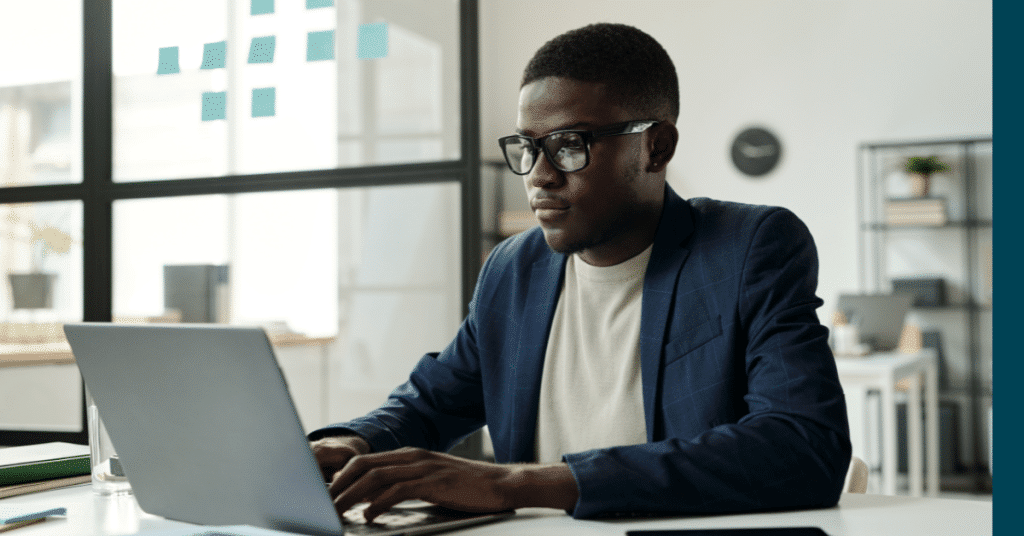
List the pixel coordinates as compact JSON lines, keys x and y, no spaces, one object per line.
{"x":332,"y":453}
{"x":388,"y":478}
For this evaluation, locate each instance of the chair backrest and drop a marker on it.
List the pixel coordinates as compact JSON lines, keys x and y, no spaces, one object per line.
{"x":856,"y":477}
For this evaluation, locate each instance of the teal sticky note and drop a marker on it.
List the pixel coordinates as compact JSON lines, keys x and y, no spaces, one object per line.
{"x":168,"y":61}
{"x":313,"y":4}
{"x":320,"y":45}
{"x":215,"y":55}
{"x":263,"y":99}
{"x":261,"y":7}
{"x":215,"y":104}
{"x":261,"y":49}
{"x":372,"y":41}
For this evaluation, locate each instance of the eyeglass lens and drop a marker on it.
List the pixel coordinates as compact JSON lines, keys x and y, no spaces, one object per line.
{"x":567,"y":151}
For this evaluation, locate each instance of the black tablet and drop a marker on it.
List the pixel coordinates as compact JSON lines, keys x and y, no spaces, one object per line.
{"x":748,"y":531}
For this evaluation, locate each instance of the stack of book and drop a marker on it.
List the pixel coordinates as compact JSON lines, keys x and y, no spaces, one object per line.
{"x":916,"y":211}
{"x":40,"y":467}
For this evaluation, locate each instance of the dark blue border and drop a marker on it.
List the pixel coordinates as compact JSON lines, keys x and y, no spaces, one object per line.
{"x":1008,"y":362}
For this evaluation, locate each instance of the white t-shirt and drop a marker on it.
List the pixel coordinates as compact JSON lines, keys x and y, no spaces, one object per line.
{"x":591,"y":395}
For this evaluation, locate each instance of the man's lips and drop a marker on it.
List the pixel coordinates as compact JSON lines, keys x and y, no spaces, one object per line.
{"x":548,"y":203}
{"x":549,"y":209}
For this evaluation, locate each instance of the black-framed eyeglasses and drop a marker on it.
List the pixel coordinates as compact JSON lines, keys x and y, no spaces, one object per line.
{"x":567,"y":150}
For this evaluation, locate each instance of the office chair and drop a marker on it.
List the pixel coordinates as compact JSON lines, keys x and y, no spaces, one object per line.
{"x":857,"y":477}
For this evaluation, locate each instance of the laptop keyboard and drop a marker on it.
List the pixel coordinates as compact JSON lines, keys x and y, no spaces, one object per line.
{"x":355,"y":523}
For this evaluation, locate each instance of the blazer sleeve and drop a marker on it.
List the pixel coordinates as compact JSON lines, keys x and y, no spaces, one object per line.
{"x":790,"y":449}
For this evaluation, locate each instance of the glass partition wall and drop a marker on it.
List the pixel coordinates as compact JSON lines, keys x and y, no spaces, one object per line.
{"x":307,"y":166}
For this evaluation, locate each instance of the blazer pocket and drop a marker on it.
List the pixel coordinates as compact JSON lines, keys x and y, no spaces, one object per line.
{"x":693,"y":338}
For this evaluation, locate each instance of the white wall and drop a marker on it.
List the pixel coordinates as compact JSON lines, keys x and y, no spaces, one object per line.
{"x":824,"y":75}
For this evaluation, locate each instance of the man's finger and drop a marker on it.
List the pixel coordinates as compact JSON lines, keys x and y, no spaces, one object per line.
{"x":358,"y":465}
{"x":332,"y":455}
{"x":391,"y":496}
{"x":376,"y":481}
{"x":347,"y":474}
{"x":333,"y":461}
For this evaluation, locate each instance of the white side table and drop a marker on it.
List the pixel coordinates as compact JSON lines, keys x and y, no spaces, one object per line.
{"x":882,"y":371}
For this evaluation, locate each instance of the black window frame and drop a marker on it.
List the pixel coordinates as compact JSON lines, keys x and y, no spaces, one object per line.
{"x":98,"y":191}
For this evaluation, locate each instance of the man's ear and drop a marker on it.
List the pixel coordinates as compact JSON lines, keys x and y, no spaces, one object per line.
{"x":663,"y":139}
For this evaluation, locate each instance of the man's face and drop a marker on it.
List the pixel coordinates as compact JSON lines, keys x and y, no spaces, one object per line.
{"x":595,"y":211}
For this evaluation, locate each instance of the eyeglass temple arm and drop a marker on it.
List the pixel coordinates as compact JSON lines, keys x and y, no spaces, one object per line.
{"x":631,"y":127}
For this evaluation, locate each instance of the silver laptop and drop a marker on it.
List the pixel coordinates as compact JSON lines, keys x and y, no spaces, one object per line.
{"x":879,"y":317}
{"x":207,"y":433}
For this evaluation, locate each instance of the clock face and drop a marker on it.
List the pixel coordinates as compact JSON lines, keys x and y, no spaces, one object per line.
{"x":756,"y":151}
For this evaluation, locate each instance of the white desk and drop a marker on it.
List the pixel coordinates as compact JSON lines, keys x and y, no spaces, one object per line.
{"x":856,"y":515}
{"x":882,"y":372}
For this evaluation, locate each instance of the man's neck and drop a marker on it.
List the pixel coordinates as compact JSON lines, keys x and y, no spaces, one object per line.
{"x":625,"y":245}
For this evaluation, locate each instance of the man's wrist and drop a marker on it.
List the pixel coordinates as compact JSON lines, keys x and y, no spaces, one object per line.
{"x":543,"y":485}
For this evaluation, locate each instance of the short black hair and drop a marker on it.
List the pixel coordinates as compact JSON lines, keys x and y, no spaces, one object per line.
{"x":635,"y":67}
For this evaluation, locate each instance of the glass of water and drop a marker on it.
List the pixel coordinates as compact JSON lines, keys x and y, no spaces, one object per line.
{"x":108,"y":476}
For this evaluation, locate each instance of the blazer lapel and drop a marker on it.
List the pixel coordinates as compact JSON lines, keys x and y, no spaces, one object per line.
{"x":542,"y":296}
{"x":667,"y":259}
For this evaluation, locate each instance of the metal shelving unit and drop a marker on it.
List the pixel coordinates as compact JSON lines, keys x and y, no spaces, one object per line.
{"x":960,"y":253}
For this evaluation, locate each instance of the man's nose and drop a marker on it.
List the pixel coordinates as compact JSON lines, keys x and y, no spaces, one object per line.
{"x":543,"y":174}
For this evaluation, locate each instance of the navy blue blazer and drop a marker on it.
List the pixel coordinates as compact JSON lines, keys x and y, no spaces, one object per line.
{"x":742,"y":400}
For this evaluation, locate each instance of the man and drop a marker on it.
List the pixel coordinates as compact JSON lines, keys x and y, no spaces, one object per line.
{"x":636,"y":353}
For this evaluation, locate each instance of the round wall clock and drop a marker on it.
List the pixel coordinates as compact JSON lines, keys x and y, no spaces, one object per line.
{"x":756,"y":151}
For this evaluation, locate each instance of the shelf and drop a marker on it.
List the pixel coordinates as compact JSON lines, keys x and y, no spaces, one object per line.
{"x":897,"y":144}
{"x":962,"y":396}
{"x":954,"y":307}
{"x":972,"y":224}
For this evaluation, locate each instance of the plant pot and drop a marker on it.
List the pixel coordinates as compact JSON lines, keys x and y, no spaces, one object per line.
{"x":32,"y":291}
{"x":920,"y":184}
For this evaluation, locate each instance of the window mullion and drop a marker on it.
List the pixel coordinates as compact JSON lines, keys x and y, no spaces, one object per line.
{"x":97,"y":158}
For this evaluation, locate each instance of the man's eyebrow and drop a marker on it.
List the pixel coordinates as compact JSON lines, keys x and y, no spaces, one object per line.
{"x":574,"y":126}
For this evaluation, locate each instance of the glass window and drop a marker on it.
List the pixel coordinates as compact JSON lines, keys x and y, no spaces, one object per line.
{"x":40,"y":93}
{"x":40,"y":243}
{"x":206,"y":88}
{"x":41,"y":258}
{"x":351,"y":284}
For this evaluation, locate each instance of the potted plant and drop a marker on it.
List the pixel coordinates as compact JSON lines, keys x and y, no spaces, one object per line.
{"x":921,"y":169}
{"x":34,"y":289}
